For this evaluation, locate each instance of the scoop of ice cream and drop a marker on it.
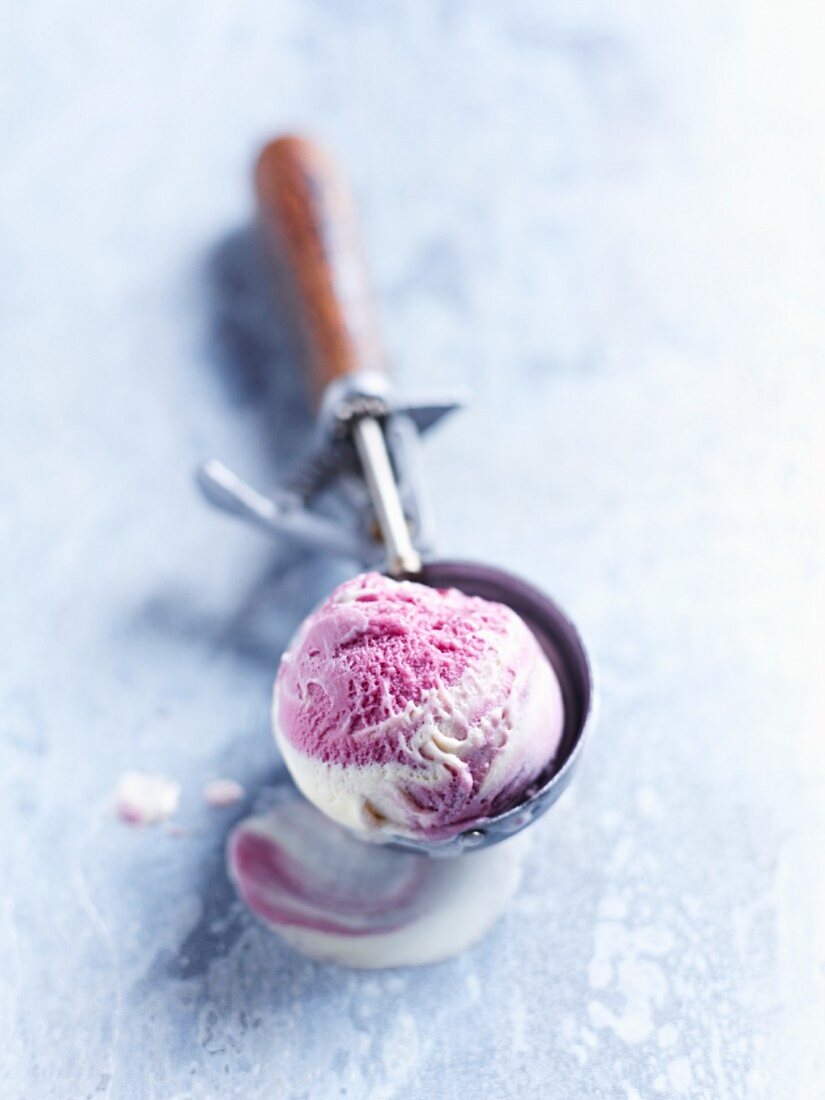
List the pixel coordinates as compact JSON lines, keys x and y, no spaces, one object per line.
{"x":415,"y":711}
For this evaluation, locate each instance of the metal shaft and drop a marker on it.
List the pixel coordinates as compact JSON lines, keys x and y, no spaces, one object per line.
{"x":402,"y":557}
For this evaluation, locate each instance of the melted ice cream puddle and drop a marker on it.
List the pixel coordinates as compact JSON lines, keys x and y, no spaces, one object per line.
{"x":337,"y":899}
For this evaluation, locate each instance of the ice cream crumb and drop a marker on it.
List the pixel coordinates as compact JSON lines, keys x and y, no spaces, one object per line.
{"x":222,"y":792}
{"x":145,"y":799}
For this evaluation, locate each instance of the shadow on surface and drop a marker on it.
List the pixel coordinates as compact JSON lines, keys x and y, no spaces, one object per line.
{"x":223,"y":917}
{"x":255,"y":361}
{"x":255,"y":632}
{"x":251,"y":347}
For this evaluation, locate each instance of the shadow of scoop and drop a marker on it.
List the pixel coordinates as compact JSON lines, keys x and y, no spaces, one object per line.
{"x":252,"y":345}
{"x":255,"y":360}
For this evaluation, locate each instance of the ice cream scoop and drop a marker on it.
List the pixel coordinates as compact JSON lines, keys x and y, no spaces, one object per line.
{"x":405,"y":710}
{"x":436,"y":750}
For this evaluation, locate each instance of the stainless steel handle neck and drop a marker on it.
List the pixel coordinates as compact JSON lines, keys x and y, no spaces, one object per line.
{"x":402,"y":557}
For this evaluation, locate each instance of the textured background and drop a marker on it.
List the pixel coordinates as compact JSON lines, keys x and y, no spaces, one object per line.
{"x":606,"y":218}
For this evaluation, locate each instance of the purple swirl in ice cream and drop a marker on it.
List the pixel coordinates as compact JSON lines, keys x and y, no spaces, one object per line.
{"x":405,"y":709}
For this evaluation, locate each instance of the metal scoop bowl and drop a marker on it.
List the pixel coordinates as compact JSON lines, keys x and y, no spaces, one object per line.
{"x":363,"y":465}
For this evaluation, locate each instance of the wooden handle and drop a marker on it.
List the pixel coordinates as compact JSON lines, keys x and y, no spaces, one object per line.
{"x":309,"y":224}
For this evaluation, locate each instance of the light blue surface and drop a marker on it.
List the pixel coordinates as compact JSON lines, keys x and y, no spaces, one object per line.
{"x":606,"y":220}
